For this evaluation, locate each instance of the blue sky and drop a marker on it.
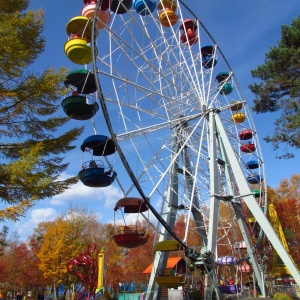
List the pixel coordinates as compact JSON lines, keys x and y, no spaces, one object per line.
{"x":244,"y":30}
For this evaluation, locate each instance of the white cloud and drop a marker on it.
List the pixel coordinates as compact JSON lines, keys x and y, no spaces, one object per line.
{"x":106,"y":197}
{"x":38,"y":215}
{"x":42,"y":214}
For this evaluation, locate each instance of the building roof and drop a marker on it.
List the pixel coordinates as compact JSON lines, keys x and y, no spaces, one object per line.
{"x":171,"y":263}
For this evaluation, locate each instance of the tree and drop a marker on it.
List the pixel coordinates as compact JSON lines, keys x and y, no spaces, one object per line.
{"x":289,"y":188}
{"x":138,"y":259}
{"x":288,"y":209}
{"x":65,"y":238}
{"x":279,"y":89}
{"x":19,"y":269}
{"x":288,"y":212}
{"x":31,"y":147}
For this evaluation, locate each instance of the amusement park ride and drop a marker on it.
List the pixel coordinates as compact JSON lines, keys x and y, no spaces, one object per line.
{"x":179,"y":127}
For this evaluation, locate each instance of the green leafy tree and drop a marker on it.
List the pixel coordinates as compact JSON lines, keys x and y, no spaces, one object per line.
{"x":31,"y":147}
{"x":279,"y":88}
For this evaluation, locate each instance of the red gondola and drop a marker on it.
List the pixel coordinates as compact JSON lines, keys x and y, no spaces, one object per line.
{"x":248,"y":148}
{"x":188,"y":28}
{"x":246,"y":134}
{"x":130,"y":236}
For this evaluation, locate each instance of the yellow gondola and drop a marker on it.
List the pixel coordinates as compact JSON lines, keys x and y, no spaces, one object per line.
{"x":168,"y":245}
{"x":170,"y":281}
{"x":238,"y":118}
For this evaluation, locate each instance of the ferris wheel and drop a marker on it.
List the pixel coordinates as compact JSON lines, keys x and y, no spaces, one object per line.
{"x":186,"y":142}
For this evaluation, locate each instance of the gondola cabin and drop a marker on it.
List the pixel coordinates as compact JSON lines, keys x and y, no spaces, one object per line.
{"x":130,"y":236}
{"x":240,"y":245}
{"x":144,"y":7}
{"x":254,"y":179}
{"x":167,"y":18}
{"x":103,"y":17}
{"x":167,"y":245}
{"x":188,"y":29}
{"x":131,"y":205}
{"x":80,"y":26}
{"x":120,"y":6}
{"x":223,"y":82}
{"x":257,"y":193}
{"x":230,"y":289}
{"x":99,"y":145}
{"x":227,"y":260}
{"x":94,"y":174}
{"x":209,"y":59}
{"x":236,"y":105}
{"x":104,"y":5}
{"x":248,"y":148}
{"x":244,"y":268}
{"x":167,"y":15}
{"x":226,"y":89}
{"x":222,"y":77}
{"x":238,"y":118}
{"x":173,"y":275}
{"x":167,"y":4}
{"x":83,"y":80}
{"x":78,"y":51}
{"x":252,"y":164}
{"x":77,"y":107}
{"x":245,"y":134}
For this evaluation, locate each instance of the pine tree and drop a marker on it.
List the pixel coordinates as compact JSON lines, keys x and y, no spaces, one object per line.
{"x":33,"y":139}
{"x":279,"y":88}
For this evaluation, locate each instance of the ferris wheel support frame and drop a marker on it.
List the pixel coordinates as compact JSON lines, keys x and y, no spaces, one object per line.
{"x":242,"y":184}
{"x":253,"y":206}
{"x":171,"y":195}
{"x":217,"y":138}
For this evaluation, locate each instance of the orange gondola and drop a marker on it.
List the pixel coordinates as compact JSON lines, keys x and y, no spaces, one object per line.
{"x":167,"y":15}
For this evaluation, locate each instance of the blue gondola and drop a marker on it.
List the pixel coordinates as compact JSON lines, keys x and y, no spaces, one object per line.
{"x":254,"y":179}
{"x":144,"y":7}
{"x":94,"y":174}
{"x":223,"y":81}
{"x":100,"y":144}
{"x":208,"y":60}
{"x":222,"y":76}
{"x":252,"y":164}
{"x":226,"y":89}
